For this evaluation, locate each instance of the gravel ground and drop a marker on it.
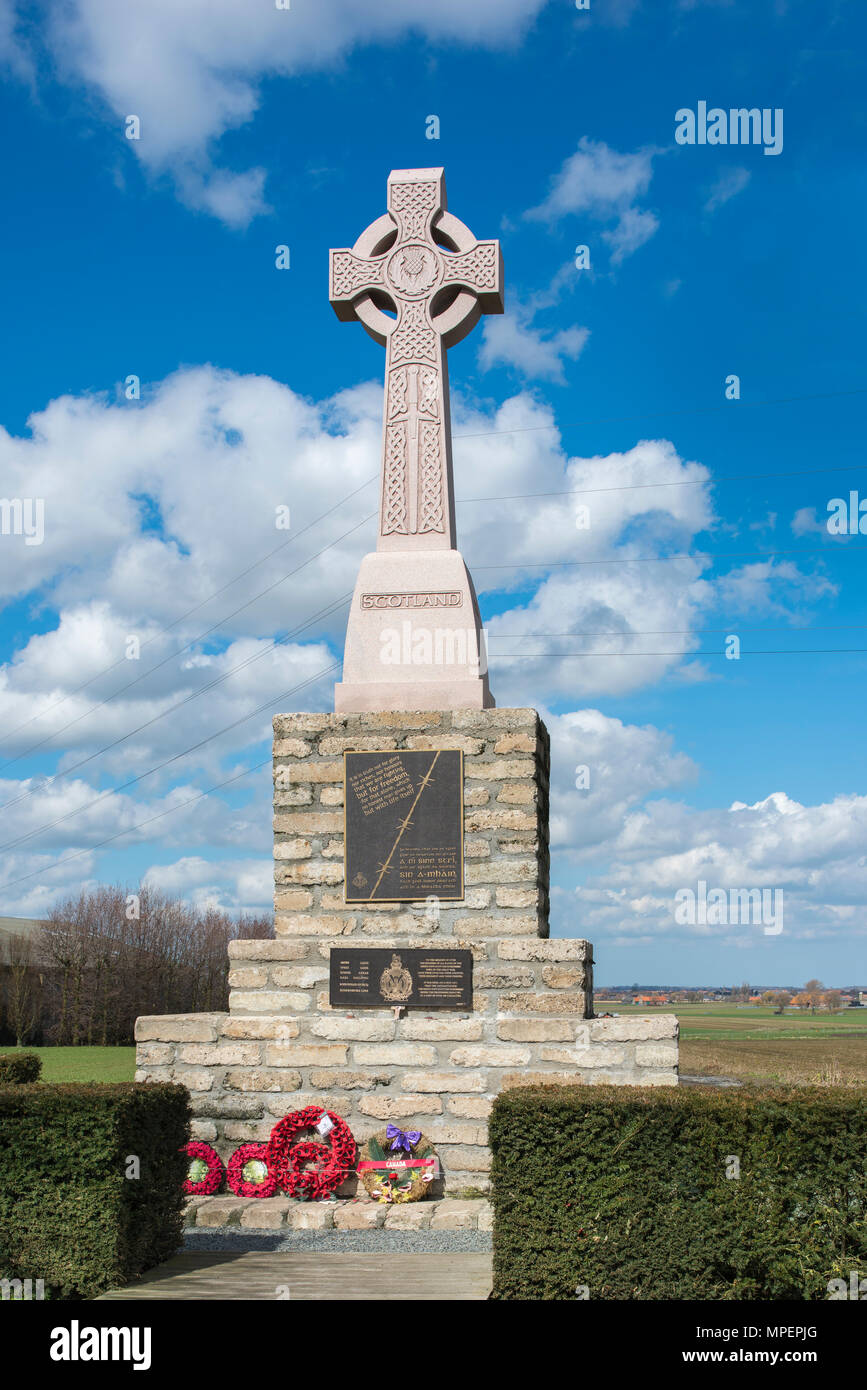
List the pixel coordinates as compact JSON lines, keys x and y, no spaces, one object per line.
{"x":339,"y":1242}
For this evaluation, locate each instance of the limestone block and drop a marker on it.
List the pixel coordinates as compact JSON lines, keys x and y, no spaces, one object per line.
{"x":508,"y":769}
{"x":260,"y":1026}
{"x":360,"y":1216}
{"x":291,"y":748}
{"x":345,"y":1079}
{"x":302,"y":976}
{"x":445,"y":1028}
{"x":203,"y":1130}
{"x":293,"y":849}
{"x":222,"y":1211}
{"x":490,"y":1056}
{"x":357,"y":1029}
{"x":262,"y":1080}
{"x":312,"y":924}
{"x":517,"y":793}
{"x":400,"y":1107}
{"x":178,"y":1028}
{"x":636,"y":1028}
{"x":462,"y":1158}
{"x":457,"y":1134}
{"x":470,"y":1107}
{"x":248,"y":977}
{"x":517,"y":897}
{"x":550,"y":949}
{"x":293,"y":1054}
{"x":265,"y":1214}
{"x":154,"y":1054}
{"x":443,"y":1081}
{"x":561,"y":1003}
{"x":536,"y":1030}
{"x":453,"y":1215}
{"x":659,"y":1054}
{"x":564,"y":976}
{"x":227,"y":1055}
{"x":313,"y":772}
{"x":307,"y":871}
{"x":394,"y":1054}
{"x":292,"y":900}
{"x":503,"y":871}
{"x":499,"y":820}
{"x":310,"y":1216}
{"x":496,"y":926}
{"x":413,"y":1217}
{"x":504,"y":977}
{"x":268,"y":949}
{"x":263,"y":1001}
{"x":308,"y":822}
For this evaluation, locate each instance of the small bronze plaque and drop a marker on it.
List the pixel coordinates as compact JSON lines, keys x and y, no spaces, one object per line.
{"x":403,"y":825}
{"x":415,"y":978}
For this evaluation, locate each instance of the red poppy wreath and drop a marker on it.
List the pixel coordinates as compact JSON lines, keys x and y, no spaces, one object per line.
{"x":205,"y":1171}
{"x":305,"y":1165}
{"x":248,"y":1174}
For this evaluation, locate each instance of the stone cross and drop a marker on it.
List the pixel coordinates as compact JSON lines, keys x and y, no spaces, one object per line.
{"x":425,"y":267}
{"x":418,"y":281}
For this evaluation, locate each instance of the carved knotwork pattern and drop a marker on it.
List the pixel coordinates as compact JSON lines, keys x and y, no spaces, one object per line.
{"x":349,"y":274}
{"x":397,"y":384}
{"x":428,"y":391}
{"x":413,"y":339}
{"x":431,"y":480}
{"x":414,"y":203}
{"x":477,"y":269}
{"x":394,"y":498}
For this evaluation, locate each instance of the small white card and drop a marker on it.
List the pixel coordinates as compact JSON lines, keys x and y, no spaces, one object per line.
{"x":324,"y":1126}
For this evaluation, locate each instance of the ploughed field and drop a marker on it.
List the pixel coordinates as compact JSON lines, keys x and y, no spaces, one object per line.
{"x":752,"y":1043}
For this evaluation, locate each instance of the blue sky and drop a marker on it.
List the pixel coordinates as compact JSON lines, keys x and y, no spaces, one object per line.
{"x":156,"y":257}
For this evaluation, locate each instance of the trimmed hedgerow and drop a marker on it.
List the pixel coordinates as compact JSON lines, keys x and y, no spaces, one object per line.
{"x":71,"y":1211}
{"x":625,"y":1192}
{"x":19,"y":1068}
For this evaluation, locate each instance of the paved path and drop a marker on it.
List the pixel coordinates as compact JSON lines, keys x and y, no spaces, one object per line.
{"x":313,"y":1277}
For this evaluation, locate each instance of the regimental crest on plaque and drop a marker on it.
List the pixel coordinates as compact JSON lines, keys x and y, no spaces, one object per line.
{"x":403,"y":825}
{"x":395,"y":982}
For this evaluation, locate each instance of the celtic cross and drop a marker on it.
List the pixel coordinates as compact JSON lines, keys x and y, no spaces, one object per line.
{"x":418,"y":281}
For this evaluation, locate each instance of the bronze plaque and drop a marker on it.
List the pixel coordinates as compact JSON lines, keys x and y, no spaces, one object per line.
{"x":403,"y":825}
{"x":415,"y":978}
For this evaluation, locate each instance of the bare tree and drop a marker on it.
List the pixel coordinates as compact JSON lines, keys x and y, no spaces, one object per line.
{"x":22,"y":987}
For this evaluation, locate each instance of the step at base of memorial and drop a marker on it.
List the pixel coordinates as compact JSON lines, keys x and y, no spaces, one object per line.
{"x":285,"y":1214}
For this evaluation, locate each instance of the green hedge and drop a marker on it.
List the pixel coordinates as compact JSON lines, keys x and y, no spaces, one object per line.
{"x":19,"y":1068}
{"x":69,"y":1214}
{"x":622,"y":1191}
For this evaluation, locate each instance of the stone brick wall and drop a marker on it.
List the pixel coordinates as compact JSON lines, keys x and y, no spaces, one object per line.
{"x":281,"y":1045}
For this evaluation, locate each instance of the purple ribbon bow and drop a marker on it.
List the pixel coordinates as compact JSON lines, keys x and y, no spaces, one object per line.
{"x":403,"y":1139}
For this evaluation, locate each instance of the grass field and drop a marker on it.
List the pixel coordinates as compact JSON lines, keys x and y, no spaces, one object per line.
{"x":84,"y":1063}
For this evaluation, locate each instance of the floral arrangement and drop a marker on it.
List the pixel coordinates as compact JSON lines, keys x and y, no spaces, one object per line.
{"x":205,"y":1171}
{"x":398,"y":1165}
{"x":248,"y":1174}
{"x":307,"y":1163}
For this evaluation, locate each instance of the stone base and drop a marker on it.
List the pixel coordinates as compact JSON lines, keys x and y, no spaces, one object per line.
{"x":281,"y":1213}
{"x":281,"y":1046}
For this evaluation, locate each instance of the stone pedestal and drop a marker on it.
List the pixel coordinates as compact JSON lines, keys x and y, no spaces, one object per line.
{"x":281,"y":1046}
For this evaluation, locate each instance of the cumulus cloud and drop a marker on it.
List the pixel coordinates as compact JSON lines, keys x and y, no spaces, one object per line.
{"x":193,"y":71}
{"x":601,"y":183}
{"x":512,"y":340}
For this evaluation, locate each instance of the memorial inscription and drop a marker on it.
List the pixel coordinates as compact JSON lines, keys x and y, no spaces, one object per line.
{"x":414,"y":977}
{"x":403,"y":838}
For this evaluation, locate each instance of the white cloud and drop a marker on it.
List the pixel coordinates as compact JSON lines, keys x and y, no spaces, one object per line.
{"x":601,"y":183}
{"x":728,"y":185}
{"x":511,"y":340}
{"x":193,"y":70}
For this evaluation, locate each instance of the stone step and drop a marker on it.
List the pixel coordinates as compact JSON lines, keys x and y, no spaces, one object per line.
{"x":358,"y":1214}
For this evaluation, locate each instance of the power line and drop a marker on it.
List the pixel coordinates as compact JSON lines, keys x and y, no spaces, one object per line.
{"x":666,"y":414}
{"x":112,"y":791}
{"x":785,"y":651}
{"x":657,"y":559}
{"x":679,"y":482}
{"x":290,"y":540}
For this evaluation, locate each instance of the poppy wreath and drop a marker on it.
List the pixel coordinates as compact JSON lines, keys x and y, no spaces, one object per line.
{"x":398,"y":1165}
{"x":205,"y":1172}
{"x":248,"y":1174}
{"x":306,"y":1166}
